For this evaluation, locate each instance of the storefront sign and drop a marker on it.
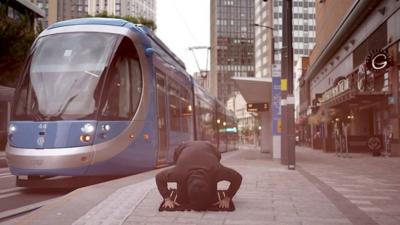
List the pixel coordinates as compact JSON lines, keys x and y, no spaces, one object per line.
{"x":378,"y":60}
{"x":342,"y":86}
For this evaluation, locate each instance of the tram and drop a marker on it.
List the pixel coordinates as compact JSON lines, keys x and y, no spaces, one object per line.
{"x":105,"y":97}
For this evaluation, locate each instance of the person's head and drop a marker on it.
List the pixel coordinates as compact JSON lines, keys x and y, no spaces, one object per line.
{"x":199,"y":190}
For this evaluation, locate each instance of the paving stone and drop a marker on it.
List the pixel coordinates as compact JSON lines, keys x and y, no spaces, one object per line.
{"x":248,"y":222}
{"x":385,"y":220}
{"x":272,"y":195}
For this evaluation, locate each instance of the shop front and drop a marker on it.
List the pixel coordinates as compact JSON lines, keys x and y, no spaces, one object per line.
{"x":357,"y":108}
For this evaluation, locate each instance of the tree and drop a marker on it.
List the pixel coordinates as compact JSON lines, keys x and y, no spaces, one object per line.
{"x":136,"y":20}
{"x":16,"y":38}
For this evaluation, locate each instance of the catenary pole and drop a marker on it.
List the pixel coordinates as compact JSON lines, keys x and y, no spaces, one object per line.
{"x":287,"y":103}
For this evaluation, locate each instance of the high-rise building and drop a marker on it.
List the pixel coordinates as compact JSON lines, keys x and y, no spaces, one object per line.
{"x":268,"y":14}
{"x":137,"y":8}
{"x":143,"y":8}
{"x":303,"y":28}
{"x":232,"y":44}
{"x":264,"y":41}
{"x":58,"y":10}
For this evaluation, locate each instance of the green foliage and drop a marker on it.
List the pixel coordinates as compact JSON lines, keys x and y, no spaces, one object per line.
{"x":16,"y":38}
{"x":136,"y":20}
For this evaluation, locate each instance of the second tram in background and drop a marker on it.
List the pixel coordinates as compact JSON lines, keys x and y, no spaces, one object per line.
{"x":102,"y":97}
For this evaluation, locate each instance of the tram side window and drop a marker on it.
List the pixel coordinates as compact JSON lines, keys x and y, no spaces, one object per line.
{"x":174,"y":106}
{"x":136,"y":82}
{"x":124,"y":85}
{"x":186,"y":110}
{"x":205,"y":121}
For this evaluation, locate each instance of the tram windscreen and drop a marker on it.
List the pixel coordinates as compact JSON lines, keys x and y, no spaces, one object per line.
{"x":63,"y":74}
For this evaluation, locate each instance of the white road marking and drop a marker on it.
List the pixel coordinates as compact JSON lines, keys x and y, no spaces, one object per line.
{"x":92,"y":74}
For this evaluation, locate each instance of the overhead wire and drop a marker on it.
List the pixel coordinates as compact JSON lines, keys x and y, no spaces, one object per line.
{"x":192,"y":36}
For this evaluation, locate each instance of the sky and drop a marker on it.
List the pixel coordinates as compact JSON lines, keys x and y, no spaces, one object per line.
{"x":182,"y":24}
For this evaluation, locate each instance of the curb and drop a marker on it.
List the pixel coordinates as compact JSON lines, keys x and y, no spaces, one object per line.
{"x":3,"y":162}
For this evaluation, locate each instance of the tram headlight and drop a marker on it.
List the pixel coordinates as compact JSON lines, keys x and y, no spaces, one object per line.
{"x":12,"y":128}
{"x":87,"y":128}
{"x":105,"y":127}
{"x":86,"y":138}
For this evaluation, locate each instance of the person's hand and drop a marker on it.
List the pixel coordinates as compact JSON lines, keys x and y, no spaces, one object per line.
{"x":223,"y":203}
{"x":168,"y":203}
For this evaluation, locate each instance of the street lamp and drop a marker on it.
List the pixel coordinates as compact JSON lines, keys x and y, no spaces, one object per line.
{"x":260,"y":25}
{"x":272,"y":40}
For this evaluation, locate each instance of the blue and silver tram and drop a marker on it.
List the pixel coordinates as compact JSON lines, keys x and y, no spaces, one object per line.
{"x":102,"y":97}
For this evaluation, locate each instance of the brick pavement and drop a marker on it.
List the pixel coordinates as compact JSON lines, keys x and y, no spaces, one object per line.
{"x":371,"y":184}
{"x":323,"y":190}
{"x":270,"y":194}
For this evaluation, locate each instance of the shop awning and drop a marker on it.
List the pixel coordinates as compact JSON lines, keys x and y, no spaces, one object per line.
{"x":353,"y":97}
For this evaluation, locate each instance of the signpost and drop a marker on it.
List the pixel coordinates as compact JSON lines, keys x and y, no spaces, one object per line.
{"x":276,"y":111}
{"x":257,"y":107}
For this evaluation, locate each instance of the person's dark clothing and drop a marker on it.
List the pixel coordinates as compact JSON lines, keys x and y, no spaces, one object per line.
{"x":196,"y":162}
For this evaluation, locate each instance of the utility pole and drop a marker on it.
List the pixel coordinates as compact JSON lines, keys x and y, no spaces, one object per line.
{"x":287,"y":102}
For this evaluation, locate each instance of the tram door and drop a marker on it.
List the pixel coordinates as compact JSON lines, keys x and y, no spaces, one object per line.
{"x":161,"y":119}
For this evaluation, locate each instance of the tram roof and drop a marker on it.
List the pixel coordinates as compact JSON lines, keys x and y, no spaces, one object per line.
{"x":90,"y":21}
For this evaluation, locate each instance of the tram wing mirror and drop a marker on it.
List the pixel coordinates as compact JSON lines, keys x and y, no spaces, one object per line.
{"x":149,"y":51}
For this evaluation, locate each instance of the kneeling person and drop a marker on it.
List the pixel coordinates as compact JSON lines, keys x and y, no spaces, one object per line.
{"x":197,"y":173}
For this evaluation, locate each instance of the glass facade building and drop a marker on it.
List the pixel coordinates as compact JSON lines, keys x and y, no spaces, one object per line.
{"x":232,"y":43}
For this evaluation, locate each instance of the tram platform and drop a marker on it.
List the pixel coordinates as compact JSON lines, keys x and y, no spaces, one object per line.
{"x":323,"y":189}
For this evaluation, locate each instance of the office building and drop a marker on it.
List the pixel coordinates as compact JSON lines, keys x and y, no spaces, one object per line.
{"x":303,"y":28}
{"x":268,"y":14}
{"x":137,"y":8}
{"x":264,"y":41}
{"x":58,"y":10}
{"x":232,"y":44}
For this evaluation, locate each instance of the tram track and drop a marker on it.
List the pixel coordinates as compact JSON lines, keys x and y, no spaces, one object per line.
{"x":13,"y":213}
{"x":18,"y":201}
